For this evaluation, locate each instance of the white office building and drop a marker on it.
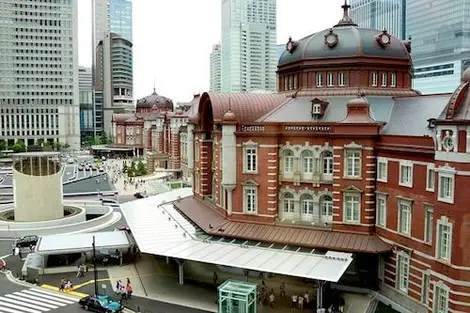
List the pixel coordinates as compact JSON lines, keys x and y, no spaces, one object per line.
{"x":249,"y":54}
{"x":39,"y":72}
{"x":380,"y":14}
{"x":215,"y":70}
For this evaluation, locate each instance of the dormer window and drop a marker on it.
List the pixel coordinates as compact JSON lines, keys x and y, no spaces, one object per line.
{"x":374,"y":79}
{"x":393,"y":80}
{"x":431,"y":123}
{"x":316,"y":108}
{"x":319,"y":79}
{"x":342,"y":79}
{"x":331,"y":79}
{"x":384,"y":79}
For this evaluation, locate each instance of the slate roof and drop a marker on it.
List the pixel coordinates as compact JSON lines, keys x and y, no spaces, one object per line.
{"x":409,"y":116}
{"x":161,"y":102}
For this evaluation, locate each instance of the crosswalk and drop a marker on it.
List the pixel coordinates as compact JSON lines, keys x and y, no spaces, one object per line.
{"x":33,"y":300}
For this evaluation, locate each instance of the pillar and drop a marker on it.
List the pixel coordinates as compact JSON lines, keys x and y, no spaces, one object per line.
{"x":246,"y":273}
{"x":180,"y":271}
{"x":229,"y":189}
{"x":190,"y":152}
{"x":320,"y":295}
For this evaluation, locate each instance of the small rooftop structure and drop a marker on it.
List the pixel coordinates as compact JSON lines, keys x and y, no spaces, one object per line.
{"x":76,"y":243}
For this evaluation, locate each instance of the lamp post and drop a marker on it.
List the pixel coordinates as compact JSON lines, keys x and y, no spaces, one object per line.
{"x":95,"y":271}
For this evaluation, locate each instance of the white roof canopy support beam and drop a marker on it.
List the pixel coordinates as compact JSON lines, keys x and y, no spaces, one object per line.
{"x":158,"y":230}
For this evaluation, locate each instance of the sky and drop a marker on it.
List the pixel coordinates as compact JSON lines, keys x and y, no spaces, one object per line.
{"x":173,"y":39}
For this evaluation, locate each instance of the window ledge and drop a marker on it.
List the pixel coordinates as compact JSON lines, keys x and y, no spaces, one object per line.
{"x":351,"y":223}
{"x":429,"y":189}
{"x":250,"y":173}
{"x":445,"y":200}
{"x":352,"y":177}
{"x":382,"y":180}
{"x":408,"y":185}
{"x":443,"y":261}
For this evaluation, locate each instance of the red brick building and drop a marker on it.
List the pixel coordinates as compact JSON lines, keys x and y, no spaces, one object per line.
{"x":346,"y":157}
{"x":153,"y":130}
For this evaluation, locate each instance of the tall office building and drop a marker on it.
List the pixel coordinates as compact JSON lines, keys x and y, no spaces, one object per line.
{"x":113,"y":76}
{"x":440,"y":32}
{"x":381,"y":14}
{"x":249,"y":54}
{"x":39,"y":72}
{"x":215,"y":71}
{"x":87,"y":114}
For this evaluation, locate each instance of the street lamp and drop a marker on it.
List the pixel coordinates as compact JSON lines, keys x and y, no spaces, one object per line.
{"x":95,"y":271}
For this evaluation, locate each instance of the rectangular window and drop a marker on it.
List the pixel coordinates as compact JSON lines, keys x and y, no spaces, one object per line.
{"x":307,"y":164}
{"x":403,"y":272}
{"x":319,"y":79}
{"x":353,"y":163}
{"x":374,"y":79}
{"x":288,"y":164}
{"x":428,"y":224}
{"x":382,"y":169}
{"x":251,"y":204}
{"x":404,"y":216}
{"x":446,"y":187}
{"x":393,"y":80}
{"x":384,"y":79}
{"x":250,"y":160}
{"x":444,"y":239}
{"x":342,"y":79}
{"x":425,"y":288}
{"x":406,"y":174}
{"x":307,"y":206}
{"x":196,"y":150}
{"x":441,"y":297}
{"x":331,"y":79}
{"x":430,"y":177}
{"x":352,"y":207}
{"x":381,"y":210}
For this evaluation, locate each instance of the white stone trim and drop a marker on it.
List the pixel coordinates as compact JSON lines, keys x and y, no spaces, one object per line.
{"x":446,"y":172}
{"x":406,"y":163}
{"x":443,"y":221}
{"x":384,"y":178}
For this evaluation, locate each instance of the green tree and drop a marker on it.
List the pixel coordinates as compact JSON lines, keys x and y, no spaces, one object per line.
{"x":19,"y":146}
{"x":132,"y":171}
{"x":141,"y":168}
{"x":66,"y":146}
{"x":3,"y":145}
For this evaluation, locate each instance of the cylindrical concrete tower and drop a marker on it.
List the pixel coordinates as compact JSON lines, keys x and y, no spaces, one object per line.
{"x":37,"y":186}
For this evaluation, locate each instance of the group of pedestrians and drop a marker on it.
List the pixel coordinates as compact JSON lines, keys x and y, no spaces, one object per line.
{"x":65,"y":285}
{"x":298,"y":301}
{"x":124,"y":290}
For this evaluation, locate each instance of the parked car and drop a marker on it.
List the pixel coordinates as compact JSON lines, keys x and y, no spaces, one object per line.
{"x":139,"y":195}
{"x":100,"y":304}
{"x":26,"y":241}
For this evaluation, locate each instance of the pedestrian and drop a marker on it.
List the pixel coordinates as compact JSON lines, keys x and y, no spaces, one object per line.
{"x":282,"y":289}
{"x":123,"y":293}
{"x":62,"y":284}
{"x":294,"y":303}
{"x":301,"y":303}
{"x":128,"y":291}
{"x":272,"y":298}
{"x":118,"y":286}
{"x":79,"y":270}
{"x":128,"y":281}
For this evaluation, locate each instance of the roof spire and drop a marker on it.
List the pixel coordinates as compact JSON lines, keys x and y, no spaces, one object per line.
{"x":154,"y":89}
{"x":346,"y":20}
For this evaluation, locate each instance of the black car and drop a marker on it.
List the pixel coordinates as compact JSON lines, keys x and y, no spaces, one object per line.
{"x":139,"y":195}
{"x":27,"y":241}
{"x":100,"y":304}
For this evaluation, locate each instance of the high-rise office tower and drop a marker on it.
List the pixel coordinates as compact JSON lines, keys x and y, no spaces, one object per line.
{"x":113,"y":70}
{"x":381,"y":14}
{"x":249,"y":54}
{"x":39,"y":72}
{"x":87,"y":114}
{"x":440,"y":32}
{"x":215,"y":71}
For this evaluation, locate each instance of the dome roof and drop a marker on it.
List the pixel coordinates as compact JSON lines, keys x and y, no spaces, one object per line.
{"x":345,"y":40}
{"x":155,"y":101}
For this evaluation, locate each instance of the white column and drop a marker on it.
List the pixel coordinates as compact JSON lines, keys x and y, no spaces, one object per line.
{"x":190,"y":153}
{"x":229,"y":155}
{"x":229,"y":198}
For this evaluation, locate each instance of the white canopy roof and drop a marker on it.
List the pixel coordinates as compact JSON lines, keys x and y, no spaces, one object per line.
{"x":72,"y":243}
{"x":160,"y":230}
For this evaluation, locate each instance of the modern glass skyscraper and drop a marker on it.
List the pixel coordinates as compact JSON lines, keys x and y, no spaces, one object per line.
{"x":249,"y":54}
{"x":381,"y":14}
{"x":120,"y":18}
{"x":39,"y":72}
{"x":215,"y":74}
{"x":440,"y":32}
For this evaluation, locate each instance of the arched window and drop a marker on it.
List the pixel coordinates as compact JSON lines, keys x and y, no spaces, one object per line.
{"x":306,"y":201}
{"x":307,"y":162}
{"x":288,"y":202}
{"x":327,"y":159}
{"x":288,"y":161}
{"x":326,"y":205}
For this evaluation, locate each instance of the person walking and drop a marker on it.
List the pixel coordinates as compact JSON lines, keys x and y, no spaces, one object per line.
{"x":128,"y":291}
{"x":282,"y":291}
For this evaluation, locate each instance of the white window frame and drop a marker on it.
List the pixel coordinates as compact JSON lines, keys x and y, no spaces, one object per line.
{"x":327,"y":163}
{"x":250,"y":156}
{"x":403,"y":272}
{"x":384,"y":79}
{"x":307,"y":164}
{"x":428,"y":223}
{"x":382,"y":172}
{"x":374,"y":79}
{"x":401,"y":180}
{"x":319,"y":79}
{"x":326,"y":206}
{"x":250,"y":191}
{"x":351,"y":198}
{"x":342,"y":79}
{"x":288,"y":205}
{"x":430,"y":178}
{"x":350,"y":154}
{"x":393,"y":79}
{"x":441,"y":298}
{"x":381,"y":210}
{"x":443,"y":234}
{"x":446,"y":186}
{"x":330,"y":79}
{"x":405,"y":208}
{"x":288,"y":162}
{"x":307,"y":206}
{"x":425,"y":283}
